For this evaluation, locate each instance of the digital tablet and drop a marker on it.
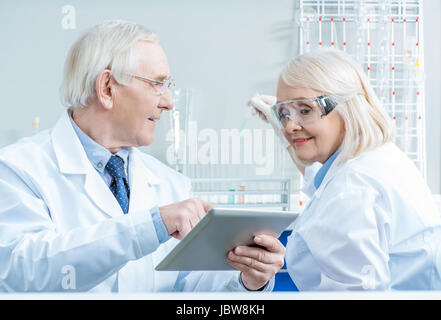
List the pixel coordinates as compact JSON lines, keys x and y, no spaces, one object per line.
{"x":205,"y":247}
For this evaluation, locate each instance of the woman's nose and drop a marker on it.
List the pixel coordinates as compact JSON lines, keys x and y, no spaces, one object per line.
{"x":293,"y":125}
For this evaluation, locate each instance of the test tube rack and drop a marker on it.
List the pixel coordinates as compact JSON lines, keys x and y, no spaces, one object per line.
{"x":386,"y":38}
{"x":269,"y":193}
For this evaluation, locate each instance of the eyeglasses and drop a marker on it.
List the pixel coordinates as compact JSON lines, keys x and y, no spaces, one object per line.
{"x":164,"y":85}
{"x":305,"y":111}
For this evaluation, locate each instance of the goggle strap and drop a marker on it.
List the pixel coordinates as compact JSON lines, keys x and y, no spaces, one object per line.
{"x":327,"y":103}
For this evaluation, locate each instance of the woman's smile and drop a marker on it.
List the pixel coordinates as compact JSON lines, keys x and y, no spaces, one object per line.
{"x":298,"y":142}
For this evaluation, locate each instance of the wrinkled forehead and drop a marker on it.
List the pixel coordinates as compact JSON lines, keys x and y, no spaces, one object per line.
{"x":153,"y":62}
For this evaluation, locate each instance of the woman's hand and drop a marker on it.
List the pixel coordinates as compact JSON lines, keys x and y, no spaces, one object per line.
{"x":262,"y":104}
{"x":258,"y":264}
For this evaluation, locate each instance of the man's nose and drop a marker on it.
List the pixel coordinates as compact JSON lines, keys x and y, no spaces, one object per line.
{"x":166,"y":101}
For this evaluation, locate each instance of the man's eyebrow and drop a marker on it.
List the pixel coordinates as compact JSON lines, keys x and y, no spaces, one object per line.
{"x":161,"y":77}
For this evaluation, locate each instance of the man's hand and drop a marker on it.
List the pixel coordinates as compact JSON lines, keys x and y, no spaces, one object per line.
{"x":179,"y":218}
{"x":258,"y":264}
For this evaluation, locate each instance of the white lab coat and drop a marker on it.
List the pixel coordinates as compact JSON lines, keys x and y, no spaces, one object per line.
{"x":371,"y":224}
{"x":61,"y":228}
{"x":308,"y":187}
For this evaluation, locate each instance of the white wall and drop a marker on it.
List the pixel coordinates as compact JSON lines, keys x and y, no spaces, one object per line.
{"x":224,"y":50}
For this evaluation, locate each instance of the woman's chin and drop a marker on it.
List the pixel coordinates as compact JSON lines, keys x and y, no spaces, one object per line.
{"x":304,"y":157}
{"x":306,"y":161}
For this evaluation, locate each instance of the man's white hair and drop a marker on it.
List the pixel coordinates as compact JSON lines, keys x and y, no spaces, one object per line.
{"x":334,"y":72}
{"x":110,"y":45}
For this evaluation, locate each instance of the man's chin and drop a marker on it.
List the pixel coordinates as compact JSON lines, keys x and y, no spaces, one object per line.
{"x":146,"y":141}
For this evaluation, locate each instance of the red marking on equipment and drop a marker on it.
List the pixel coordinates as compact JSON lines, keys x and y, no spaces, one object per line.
{"x":320,"y":19}
{"x":332,"y":43}
{"x":393,"y":92}
{"x":332,"y":19}
{"x":393,"y":43}
{"x":344,"y":43}
{"x":307,"y":19}
{"x":406,"y":117}
{"x":393,"y":19}
{"x":344,"y":19}
{"x":369,"y":43}
{"x":395,"y":118}
{"x":404,"y":20}
{"x":320,"y":43}
{"x":419,"y":117}
{"x":418,"y":93}
{"x":301,"y":203}
{"x":369,"y":68}
{"x":368,"y":20}
{"x":417,"y":43}
{"x":307,"y":42}
{"x":393,"y":68}
{"x":416,"y":20}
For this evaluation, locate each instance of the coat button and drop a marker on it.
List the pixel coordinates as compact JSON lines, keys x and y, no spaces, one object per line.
{"x":99,"y":165}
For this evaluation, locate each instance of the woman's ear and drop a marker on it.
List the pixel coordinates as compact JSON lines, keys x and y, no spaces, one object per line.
{"x":103,"y":89}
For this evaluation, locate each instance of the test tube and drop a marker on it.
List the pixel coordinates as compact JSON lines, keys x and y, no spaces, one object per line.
{"x":241,"y":197}
{"x":36,"y":124}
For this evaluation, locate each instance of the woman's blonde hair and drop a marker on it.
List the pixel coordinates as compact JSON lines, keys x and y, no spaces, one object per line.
{"x":333,"y":72}
{"x":110,"y":45}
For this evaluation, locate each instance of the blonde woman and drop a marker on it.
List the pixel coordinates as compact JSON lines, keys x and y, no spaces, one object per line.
{"x":372,"y":222}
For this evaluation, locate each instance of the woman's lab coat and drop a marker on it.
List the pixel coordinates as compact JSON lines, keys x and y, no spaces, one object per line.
{"x":61,"y":228}
{"x":371,"y":224}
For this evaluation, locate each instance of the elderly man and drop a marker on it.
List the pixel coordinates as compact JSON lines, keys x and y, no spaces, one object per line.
{"x":82,"y":209}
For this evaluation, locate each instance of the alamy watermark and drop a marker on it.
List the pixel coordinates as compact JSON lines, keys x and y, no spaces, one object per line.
{"x":68,"y":281}
{"x":224,"y":147}
{"x":69,"y":19}
{"x":369,"y":276}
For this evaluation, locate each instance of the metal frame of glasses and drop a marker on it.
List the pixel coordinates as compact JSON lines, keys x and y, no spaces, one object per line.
{"x":244,"y":193}
{"x":386,"y":38}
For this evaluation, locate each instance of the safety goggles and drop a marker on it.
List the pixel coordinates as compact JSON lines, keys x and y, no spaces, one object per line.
{"x":304,"y":111}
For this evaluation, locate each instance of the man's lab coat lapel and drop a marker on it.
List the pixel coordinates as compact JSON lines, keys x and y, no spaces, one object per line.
{"x":142,"y":182}
{"x":72,"y":159}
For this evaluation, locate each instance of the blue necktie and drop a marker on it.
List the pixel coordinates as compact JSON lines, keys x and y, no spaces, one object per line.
{"x":119,"y":185}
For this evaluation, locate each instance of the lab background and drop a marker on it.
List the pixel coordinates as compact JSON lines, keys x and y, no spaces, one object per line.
{"x":221,"y":53}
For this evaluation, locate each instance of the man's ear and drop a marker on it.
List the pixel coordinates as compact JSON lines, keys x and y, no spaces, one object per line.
{"x":103,"y":89}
